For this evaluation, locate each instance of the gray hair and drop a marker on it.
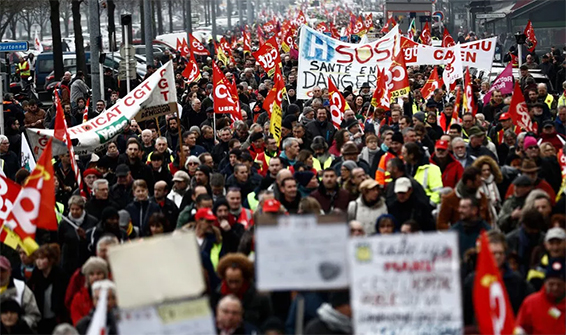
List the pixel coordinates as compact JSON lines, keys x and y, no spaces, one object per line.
{"x":105,"y":241}
{"x":406,"y":130}
{"x":65,"y":329}
{"x":146,"y":131}
{"x":99,"y":182}
{"x":4,"y":138}
{"x":533,"y":196}
{"x":77,"y":200}
{"x":457,"y":139}
{"x":288,"y":142}
{"x":161,"y":138}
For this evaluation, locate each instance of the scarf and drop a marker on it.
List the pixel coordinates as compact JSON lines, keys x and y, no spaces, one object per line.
{"x":224,"y":290}
{"x":79,"y":220}
{"x":384,"y":147}
{"x":334,"y":320}
{"x":464,"y":192}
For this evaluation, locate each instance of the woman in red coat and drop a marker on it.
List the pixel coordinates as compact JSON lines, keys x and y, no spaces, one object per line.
{"x":94,"y":269}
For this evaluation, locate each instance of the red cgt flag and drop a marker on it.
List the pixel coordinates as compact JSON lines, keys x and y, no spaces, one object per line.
{"x":531,"y":41}
{"x":491,"y":303}
{"x":224,"y":102}
{"x":35,"y":205}
{"x":447,"y":40}
{"x":197,"y":48}
{"x":388,"y":25}
{"x":425,"y":37}
{"x":519,"y":111}
{"x":469,"y":102}
{"x":268,"y":56}
{"x":380,"y":98}
{"x":431,"y":84}
{"x":338,"y":104}
{"x":191,"y":71}
{"x":182,"y":47}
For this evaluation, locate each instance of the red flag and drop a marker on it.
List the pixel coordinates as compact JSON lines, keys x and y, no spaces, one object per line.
{"x":380,"y":98}
{"x":322,"y":27}
{"x":368,"y":22}
{"x":35,"y":205}
{"x":260,"y":36}
{"x":531,"y":41}
{"x":338,"y":104}
{"x":519,"y":111}
{"x":491,"y":303}
{"x":268,"y":56}
{"x":247,"y":41}
{"x":457,"y":103}
{"x":288,"y":42}
{"x":191,"y":71}
{"x":62,"y":134}
{"x":469,"y":101}
{"x":388,"y":25}
{"x":225,"y":46}
{"x":447,"y":40}
{"x":272,"y":104}
{"x":85,"y":114}
{"x":269,"y":26}
{"x":334,"y":31}
{"x":397,"y":77}
{"x":224,"y":102}
{"x":425,"y":37}
{"x":183,"y":47}
{"x":431,"y":84}
{"x":197,"y":48}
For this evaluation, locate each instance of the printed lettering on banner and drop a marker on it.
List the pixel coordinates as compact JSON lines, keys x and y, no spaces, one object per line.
{"x":322,"y":57}
{"x":405,"y":284}
{"x":157,"y":91}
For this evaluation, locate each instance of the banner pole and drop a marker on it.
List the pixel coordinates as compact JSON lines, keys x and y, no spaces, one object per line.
{"x":158,"y":127}
{"x":182,"y":157}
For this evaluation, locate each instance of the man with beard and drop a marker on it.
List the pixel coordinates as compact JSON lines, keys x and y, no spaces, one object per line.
{"x":221,"y":149}
{"x":271,"y":151}
{"x":289,"y":196}
{"x":329,"y":194}
{"x":242,"y":215}
{"x":460,"y":152}
{"x":172,"y":133}
{"x":138,"y":169}
{"x":230,"y":229}
{"x":321,"y":126}
{"x":451,"y":169}
{"x":322,"y":159}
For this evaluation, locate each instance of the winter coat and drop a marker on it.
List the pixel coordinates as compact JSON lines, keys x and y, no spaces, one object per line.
{"x":413,"y":209}
{"x":451,"y":173}
{"x":20,"y":328}
{"x":121,"y":195}
{"x":504,"y":221}
{"x":31,"y":314}
{"x":81,"y":305}
{"x":39,"y":284}
{"x":523,"y":245}
{"x":535,"y":317}
{"x":169,"y":209}
{"x":94,"y":207}
{"x":74,"y":250}
{"x":324,"y":129}
{"x":358,"y":210}
{"x":257,"y":306}
{"x":111,"y":326}
{"x":142,"y":171}
{"x":329,"y":202}
{"x":140,"y":212}
{"x":468,"y":235}
{"x":448,"y":214}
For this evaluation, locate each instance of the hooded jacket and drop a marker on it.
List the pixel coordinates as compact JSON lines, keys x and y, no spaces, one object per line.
{"x":74,"y":250}
{"x":448,"y":214}
{"x":140,"y":212}
{"x":452,"y":171}
{"x":324,"y":129}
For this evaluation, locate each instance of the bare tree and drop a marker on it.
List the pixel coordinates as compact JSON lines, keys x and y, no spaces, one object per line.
{"x":111,"y":25}
{"x":27,"y":19}
{"x":66,"y":12}
{"x":79,"y":42}
{"x":9,"y":9}
{"x":39,"y":16}
{"x":170,"y":6}
{"x":159,"y":18}
{"x":56,"y":35}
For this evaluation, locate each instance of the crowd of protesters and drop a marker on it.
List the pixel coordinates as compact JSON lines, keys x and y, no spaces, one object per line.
{"x":418,"y":167}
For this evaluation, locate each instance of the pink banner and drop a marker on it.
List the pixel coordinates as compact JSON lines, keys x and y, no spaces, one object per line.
{"x":503,"y":83}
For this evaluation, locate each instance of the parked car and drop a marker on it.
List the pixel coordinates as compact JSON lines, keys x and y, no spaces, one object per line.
{"x":44,"y":66}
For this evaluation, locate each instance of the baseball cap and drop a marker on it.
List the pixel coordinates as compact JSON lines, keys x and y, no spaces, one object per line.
{"x":402,"y":185}
{"x":555,"y":233}
{"x":441,"y":144}
{"x":548,"y":123}
{"x":368,"y":184}
{"x":271,"y":206}
{"x":181,"y":176}
{"x":504,"y":116}
{"x":205,"y":213}
{"x":122,"y":170}
{"x":92,"y":171}
{"x":5,"y":263}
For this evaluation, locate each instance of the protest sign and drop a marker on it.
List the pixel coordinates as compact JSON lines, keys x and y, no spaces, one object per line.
{"x":190,"y":317}
{"x":154,"y":97}
{"x":503,"y":83}
{"x":296,"y":253}
{"x":321,"y":57}
{"x":170,"y":270}
{"x":406,"y":284}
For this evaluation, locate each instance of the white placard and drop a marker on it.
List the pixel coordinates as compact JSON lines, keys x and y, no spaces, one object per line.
{"x":298,"y":254}
{"x":185,"y":317}
{"x":406,"y":284}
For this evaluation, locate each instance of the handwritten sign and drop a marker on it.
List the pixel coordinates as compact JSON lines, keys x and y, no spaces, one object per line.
{"x":406,"y":284}
{"x":299,"y":254}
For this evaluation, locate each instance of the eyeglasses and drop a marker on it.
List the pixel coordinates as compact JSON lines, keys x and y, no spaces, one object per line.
{"x":532,"y":148}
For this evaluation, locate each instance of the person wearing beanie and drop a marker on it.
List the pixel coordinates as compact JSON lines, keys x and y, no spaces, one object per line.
{"x":94,"y":269}
{"x":12,"y":321}
{"x":126,"y":224}
{"x":476,"y":147}
{"x":420,"y":116}
{"x":231,"y":230}
{"x":549,"y":168}
{"x":334,"y":316}
{"x":544,"y":312}
{"x":306,"y":182}
{"x":109,"y":225}
{"x":286,"y":128}
{"x":382,"y":176}
{"x":257,"y":144}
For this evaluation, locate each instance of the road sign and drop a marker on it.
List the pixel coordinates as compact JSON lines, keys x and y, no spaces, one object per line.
{"x":490,"y":16}
{"x":131,"y":51}
{"x":14,"y":46}
{"x":439,"y":14}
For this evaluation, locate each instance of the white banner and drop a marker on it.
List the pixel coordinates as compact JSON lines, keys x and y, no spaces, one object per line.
{"x":406,"y":284}
{"x":157,"y":95}
{"x":478,"y":54}
{"x":321,"y":57}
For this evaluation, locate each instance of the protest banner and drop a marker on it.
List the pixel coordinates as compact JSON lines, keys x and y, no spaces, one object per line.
{"x":477,"y":54}
{"x":297,"y":253}
{"x":503,"y":83}
{"x":321,"y":57}
{"x":406,"y":284}
{"x":154,"y":97}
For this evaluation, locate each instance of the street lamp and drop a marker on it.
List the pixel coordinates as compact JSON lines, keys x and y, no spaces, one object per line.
{"x":521,"y":39}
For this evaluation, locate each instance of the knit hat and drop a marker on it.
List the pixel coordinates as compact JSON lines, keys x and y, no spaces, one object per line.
{"x":556,"y":268}
{"x":529,"y":142}
{"x":219,"y":202}
{"x":11,"y":305}
{"x":419,"y":116}
{"x":108,"y":212}
{"x":319,"y":143}
{"x":95,"y":264}
{"x":293,"y":109}
{"x":397,"y":137}
{"x":205,"y":169}
{"x":350,"y":149}
{"x":256,"y":136}
{"x":350,"y":165}
{"x":92,"y":171}
{"x":350,"y":123}
{"x":339,"y":298}
{"x":303,"y":177}
{"x":195,"y":128}
{"x":263,"y":93}
{"x":287,"y":124}
{"x":475,"y":131}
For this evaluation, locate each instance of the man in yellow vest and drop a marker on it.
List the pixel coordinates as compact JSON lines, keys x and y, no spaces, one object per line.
{"x":543,"y":95}
{"x":322,"y":159}
{"x":23,"y":69}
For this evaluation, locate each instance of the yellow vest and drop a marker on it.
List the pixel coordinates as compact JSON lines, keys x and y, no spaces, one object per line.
{"x":316,"y":164}
{"x":252,"y":201}
{"x":23,"y":72}
{"x":549,"y":100}
{"x":430,"y":177}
